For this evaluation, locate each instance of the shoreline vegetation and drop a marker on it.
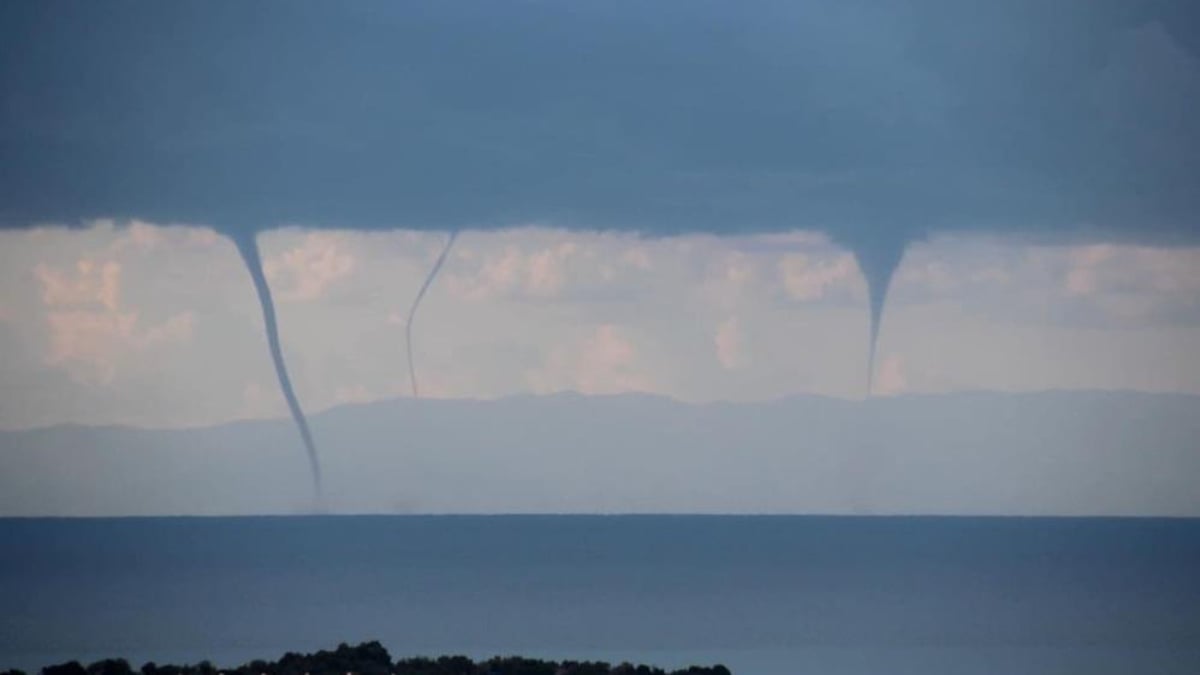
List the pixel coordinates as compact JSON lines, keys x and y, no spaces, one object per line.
{"x":371,"y":658}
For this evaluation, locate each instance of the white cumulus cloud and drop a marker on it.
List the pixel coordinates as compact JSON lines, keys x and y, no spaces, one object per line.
{"x":807,"y":278}
{"x":604,"y":362}
{"x":307,"y":271}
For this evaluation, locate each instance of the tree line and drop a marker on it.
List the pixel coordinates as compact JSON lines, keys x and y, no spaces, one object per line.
{"x":371,"y":658}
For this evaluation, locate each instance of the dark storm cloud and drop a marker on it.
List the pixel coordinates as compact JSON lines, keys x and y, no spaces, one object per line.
{"x":859,"y":119}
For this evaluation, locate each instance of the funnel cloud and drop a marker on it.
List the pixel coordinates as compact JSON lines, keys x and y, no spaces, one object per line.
{"x":248,"y":247}
{"x":412,"y":312}
{"x":877,"y":261}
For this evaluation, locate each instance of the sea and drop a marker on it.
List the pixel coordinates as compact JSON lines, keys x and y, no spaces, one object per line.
{"x":763,"y":595}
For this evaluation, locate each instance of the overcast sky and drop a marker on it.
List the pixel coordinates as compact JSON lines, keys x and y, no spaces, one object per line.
{"x":159,"y":326}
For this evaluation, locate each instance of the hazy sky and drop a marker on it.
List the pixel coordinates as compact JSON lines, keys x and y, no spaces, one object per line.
{"x":159,"y":326}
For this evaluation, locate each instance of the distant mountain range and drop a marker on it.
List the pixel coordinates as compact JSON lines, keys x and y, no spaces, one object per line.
{"x":1061,"y":453}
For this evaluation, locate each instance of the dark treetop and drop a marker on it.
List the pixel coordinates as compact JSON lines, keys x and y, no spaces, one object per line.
{"x":371,"y":658}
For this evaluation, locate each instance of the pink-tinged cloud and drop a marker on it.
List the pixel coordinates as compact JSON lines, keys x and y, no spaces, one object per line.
{"x":638,"y":258}
{"x":91,"y":343}
{"x":306,"y":272}
{"x":547,"y":269}
{"x":90,"y":283}
{"x":85,"y":342}
{"x":806,"y":278}
{"x":144,"y":236}
{"x":511,"y":272}
{"x":1108,"y":268}
{"x":729,"y":344}
{"x":89,"y":330}
{"x":605,"y":362}
{"x":259,"y":401}
{"x":352,"y":393}
{"x":1083,"y":276}
{"x":932,"y":275}
{"x":891,"y":380}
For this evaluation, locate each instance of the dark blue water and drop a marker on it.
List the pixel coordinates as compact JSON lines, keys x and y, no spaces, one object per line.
{"x":765,"y":595}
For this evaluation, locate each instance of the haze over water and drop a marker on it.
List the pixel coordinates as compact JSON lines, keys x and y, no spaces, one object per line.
{"x":763,"y":595}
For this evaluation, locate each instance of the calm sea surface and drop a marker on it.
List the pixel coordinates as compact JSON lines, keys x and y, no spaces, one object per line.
{"x":764,"y":595}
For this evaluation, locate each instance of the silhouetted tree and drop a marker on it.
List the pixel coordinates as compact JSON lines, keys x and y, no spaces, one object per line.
{"x":68,"y":668}
{"x":371,"y":658}
{"x":110,"y":667}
